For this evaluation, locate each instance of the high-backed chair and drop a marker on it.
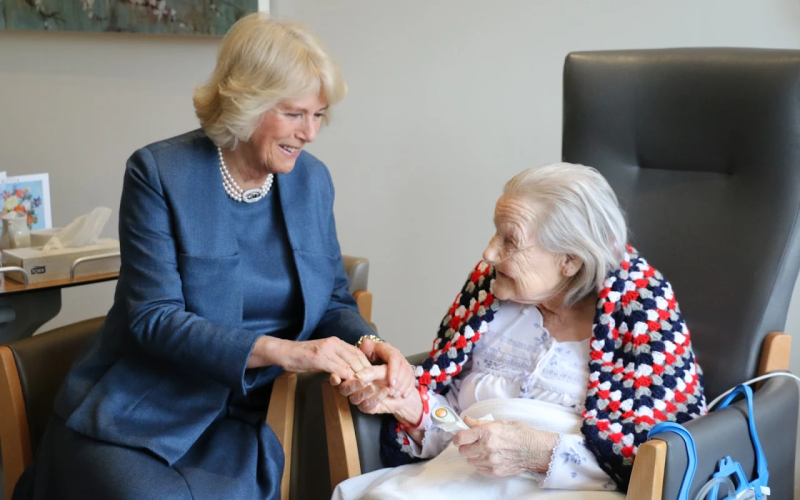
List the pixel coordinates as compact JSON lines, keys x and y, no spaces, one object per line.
{"x":702,"y":146}
{"x":32,"y":370}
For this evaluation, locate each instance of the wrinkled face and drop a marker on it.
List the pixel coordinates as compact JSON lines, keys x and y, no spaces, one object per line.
{"x":284,"y":130}
{"x":525,"y":272}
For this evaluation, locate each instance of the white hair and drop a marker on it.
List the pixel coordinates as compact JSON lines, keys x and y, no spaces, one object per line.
{"x":576,"y":214}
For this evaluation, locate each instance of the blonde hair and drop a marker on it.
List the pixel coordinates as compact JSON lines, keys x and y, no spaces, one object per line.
{"x":262,"y":62}
{"x":577,"y":214}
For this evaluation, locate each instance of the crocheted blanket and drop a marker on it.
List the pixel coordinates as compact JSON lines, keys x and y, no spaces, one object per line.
{"x":642,"y":368}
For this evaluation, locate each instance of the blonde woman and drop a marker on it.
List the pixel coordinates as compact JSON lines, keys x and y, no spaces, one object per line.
{"x":231,"y":274}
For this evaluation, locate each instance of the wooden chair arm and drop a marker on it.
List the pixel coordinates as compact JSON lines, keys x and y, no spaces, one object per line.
{"x":14,"y":434}
{"x":775,"y":353}
{"x":647,"y":479}
{"x":280,"y":417}
{"x":364,"y":301}
{"x":341,"y":436}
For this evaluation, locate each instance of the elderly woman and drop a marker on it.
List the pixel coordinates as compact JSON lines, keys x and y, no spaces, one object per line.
{"x":562,"y":350}
{"x":231,"y":274}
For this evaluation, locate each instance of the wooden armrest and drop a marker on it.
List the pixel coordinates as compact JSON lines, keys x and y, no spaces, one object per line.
{"x":364,"y":301}
{"x":280,"y":418}
{"x":341,"y":435}
{"x":775,"y":353}
{"x":647,"y":478}
{"x":14,"y":433}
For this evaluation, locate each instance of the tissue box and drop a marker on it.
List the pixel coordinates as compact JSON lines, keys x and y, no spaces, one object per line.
{"x":56,"y":264}
{"x":40,"y":237}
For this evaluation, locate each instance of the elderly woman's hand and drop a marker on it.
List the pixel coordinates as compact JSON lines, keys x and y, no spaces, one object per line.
{"x":502,"y":449}
{"x":400,"y":375}
{"x":369,"y":392}
{"x":331,"y":355}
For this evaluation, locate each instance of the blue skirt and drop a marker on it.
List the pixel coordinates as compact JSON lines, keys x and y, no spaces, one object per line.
{"x":232,"y":459}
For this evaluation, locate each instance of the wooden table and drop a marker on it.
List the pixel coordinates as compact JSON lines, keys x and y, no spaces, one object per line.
{"x":24,"y":309}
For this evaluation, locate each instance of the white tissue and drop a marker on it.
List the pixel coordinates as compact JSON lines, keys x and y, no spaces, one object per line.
{"x":81,"y":232}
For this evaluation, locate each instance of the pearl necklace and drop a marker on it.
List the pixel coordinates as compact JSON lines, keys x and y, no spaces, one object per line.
{"x":233,"y":189}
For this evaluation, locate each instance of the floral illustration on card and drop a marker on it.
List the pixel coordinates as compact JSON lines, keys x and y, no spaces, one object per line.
{"x":27,"y":194}
{"x":22,"y":199}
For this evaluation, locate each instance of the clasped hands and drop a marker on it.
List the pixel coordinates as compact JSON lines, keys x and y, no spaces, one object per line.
{"x":382,"y":365}
{"x":342,"y":360}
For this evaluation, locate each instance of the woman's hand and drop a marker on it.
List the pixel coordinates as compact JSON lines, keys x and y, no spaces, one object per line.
{"x":502,"y":449}
{"x":331,"y":355}
{"x":370,"y":393}
{"x":400,"y":375}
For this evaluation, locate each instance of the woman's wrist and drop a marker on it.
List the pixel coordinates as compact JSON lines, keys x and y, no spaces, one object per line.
{"x":267,"y":351}
{"x":411,"y":413}
{"x":412,"y":416}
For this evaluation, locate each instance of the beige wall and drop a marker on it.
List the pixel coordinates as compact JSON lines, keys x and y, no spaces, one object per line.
{"x":447,"y":100}
{"x":77,"y":106}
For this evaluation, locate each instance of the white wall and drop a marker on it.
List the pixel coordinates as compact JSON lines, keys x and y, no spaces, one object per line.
{"x":448,"y":99}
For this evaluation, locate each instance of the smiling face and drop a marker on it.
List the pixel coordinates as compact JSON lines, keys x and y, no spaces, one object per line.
{"x":284,"y":131}
{"x":525,"y":272}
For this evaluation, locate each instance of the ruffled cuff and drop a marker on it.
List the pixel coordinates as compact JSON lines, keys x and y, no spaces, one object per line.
{"x":573,"y":467}
{"x":544,"y":479}
{"x":434,"y":440}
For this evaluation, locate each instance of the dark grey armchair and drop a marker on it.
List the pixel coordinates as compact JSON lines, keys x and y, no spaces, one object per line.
{"x":702,"y":147}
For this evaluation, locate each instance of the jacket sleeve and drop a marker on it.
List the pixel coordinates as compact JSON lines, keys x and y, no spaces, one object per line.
{"x":341,"y":319}
{"x":151,"y":284}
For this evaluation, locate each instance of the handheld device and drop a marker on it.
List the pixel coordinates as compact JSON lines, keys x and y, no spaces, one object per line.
{"x":447,"y":419}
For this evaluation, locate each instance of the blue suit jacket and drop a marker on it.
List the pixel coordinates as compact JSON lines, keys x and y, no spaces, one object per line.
{"x":172,"y":348}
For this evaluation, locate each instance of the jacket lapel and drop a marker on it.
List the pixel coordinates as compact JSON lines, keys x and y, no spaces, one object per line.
{"x":294,"y":204}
